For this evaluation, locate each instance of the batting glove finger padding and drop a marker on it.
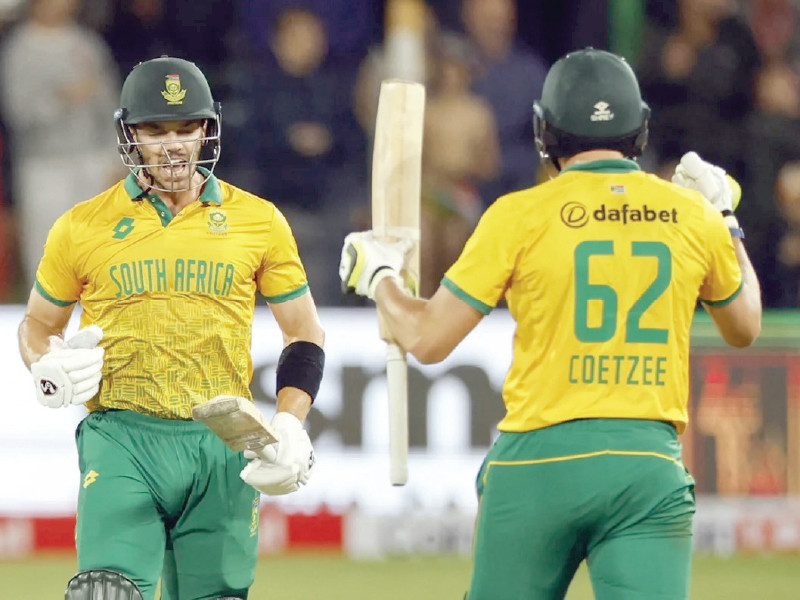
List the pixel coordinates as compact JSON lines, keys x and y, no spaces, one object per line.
{"x":71,"y":371}
{"x":267,"y":454}
{"x":365,"y":262}
{"x":282,"y":471}
{"x":269,"y":478}
{"x":721,"y":190}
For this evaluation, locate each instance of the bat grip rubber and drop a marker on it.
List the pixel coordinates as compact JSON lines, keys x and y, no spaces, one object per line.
{"x":397,"y":383}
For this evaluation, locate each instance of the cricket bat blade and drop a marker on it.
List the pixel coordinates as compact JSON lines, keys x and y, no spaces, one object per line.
{"x":237,"y":421}
{"x":396,"y":181}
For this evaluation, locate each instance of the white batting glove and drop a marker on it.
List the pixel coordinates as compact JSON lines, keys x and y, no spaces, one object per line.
{"x":710,"y":180}
{"x":365,"y":262}
{"x":284,"y":470}
{"x":69,"y":373}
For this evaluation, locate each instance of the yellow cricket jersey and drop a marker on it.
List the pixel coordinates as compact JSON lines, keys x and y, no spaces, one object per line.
{"x":174,"y":295}
{"x":601,"y":268}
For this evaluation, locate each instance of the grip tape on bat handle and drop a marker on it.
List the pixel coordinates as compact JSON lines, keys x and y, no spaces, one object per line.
{"x":397,"y":384}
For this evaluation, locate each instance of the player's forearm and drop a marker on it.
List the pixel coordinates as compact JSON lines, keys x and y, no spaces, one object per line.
{"x":399,"y":314}
{"x":34,"y":339}
{"x":313,"y":333}
{"x":428,"y":329}
{"x":411,"y":323}
{"x":751,"y":289}
{"x":295,"y":401}
{"x":739,"y":322}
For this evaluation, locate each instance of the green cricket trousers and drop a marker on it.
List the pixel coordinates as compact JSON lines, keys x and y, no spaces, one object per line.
{"x":613,"y":492}
{"x":163,"y":499}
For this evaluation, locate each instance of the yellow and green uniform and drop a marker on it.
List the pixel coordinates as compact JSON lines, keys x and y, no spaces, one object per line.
{"x":175,"y":296}
{"x":601,"y":269}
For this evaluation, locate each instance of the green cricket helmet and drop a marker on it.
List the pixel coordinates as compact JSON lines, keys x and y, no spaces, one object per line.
{"x":167,"y":89}
{"x":590,"y":100}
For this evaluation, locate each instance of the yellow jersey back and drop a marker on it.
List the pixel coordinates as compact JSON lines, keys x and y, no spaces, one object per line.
{"x":601,"y":269}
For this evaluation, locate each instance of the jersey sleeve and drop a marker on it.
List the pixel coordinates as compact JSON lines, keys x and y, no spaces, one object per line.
{"x":56,"y":277}
{"x":281,"y":276}
{"x":723,"y":279}
{"x":484,"y":269}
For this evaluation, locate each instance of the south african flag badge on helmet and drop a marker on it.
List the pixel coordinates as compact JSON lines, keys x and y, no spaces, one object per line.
{"x":173,"y":93}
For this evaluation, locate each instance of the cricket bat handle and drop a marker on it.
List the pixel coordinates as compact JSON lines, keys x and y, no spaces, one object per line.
{"x":397,"y":384}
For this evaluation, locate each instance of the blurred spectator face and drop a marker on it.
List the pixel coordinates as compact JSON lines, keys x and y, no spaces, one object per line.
{"x":54,"y":11}
{"x":712,"y":10}
{"x":147,"y":9}
{"x":300,"y":42}
{"x":774,"y":25}
{"x":778,"y":91}
{"x":454,"y":64}
{"x":788,"y":193}
{"x":788,"y":188}
{"x":492,"y":24}
{"x":454,"y":74}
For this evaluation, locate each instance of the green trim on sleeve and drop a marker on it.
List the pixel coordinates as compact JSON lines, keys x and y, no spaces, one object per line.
{"x":49,"y":298}
{"x":473,"y":302}
{"x":727,"y":300}
{"x":288,"y":295}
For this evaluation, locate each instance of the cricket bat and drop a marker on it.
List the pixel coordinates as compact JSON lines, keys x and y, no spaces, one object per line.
{"x":396,"y":176}
{"x":237,"y":421}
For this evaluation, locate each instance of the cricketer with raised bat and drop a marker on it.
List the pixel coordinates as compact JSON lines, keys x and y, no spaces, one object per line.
{"x":166,"y":265}
{"x":587,"y":464}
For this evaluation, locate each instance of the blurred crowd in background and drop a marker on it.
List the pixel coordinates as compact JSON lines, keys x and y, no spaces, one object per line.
{"x":299,"y":80}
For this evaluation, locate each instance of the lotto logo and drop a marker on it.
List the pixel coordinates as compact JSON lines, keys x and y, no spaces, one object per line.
{"x":48,"y":387}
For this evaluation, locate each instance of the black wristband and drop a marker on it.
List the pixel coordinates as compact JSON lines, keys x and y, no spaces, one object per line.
{"x":300,"y":366}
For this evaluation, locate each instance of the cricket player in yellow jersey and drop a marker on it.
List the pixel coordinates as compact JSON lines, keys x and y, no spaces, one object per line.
{"x":166,"y":266}
{"x":601,"y":268}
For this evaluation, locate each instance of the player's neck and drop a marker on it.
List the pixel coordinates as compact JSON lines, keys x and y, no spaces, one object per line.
{"x":589,"y":156}
{"x":177,"y":201}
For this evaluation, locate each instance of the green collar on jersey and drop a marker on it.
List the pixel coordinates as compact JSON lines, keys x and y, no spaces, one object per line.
{"x":211,"y":191}
{"x":606,"y":165}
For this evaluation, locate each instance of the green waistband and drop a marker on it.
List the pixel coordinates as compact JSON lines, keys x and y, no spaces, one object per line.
{"x":148,"y":422}
{"x":590,"y":436}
